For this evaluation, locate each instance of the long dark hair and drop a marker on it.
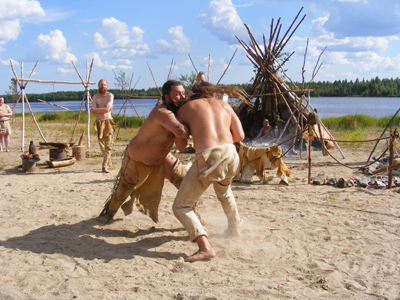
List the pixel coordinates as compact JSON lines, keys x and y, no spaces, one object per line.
{"x":202,"y":89}
{"x":166,"y":89}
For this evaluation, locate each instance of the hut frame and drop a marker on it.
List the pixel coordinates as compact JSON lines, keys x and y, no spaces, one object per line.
{"x":22,"y":83}
{"x":270,"y":91}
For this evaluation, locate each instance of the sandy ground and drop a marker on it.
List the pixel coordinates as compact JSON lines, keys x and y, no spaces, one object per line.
{"x":298,"y":242}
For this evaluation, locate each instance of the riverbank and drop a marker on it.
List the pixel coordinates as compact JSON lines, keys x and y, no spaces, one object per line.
{"x":298,"y":242}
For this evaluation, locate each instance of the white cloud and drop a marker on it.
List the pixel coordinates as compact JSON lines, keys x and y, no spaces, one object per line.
{"x":180,"y":43}
{"x":323,"y":38}
{"x":128,"y":43}
{"x":52,"y":47}
{"x":12,"y":13}
{"x":205,"y":61}
{"x":65,"y":71}
{"x":359,"y":18}
{"x":7,"y":62}
{"x":98,"y":63}
{"x":186,"y":63}
{"x":21,"y":9}
{"x":223,"y":21}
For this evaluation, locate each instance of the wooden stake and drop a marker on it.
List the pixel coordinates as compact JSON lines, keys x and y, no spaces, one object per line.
{"x":310,"y":139}
{"x":193,"y":64}
{"x":34,"y":119}
{"x":391,"y":153}
{"x":54,"y":104}
{"x":209,"y":65}
{"x":227,"y":67}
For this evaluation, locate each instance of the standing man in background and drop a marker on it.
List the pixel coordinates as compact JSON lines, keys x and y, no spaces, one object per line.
{"x":105,"y":126}
{"x":5,"y":129}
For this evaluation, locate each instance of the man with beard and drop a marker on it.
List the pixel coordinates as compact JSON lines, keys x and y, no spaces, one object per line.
{"x":102,"y":105}
{"x":147,"y":160}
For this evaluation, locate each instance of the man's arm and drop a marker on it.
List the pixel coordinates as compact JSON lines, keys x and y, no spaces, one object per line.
{"x":236,"y":128}
{"x":168,"y":120}
{"x":102,"y":110}
{"x":181,"y":144}
{"x":8,"y":113}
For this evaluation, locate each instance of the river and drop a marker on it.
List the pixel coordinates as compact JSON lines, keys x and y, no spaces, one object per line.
{"x":326,"y":106}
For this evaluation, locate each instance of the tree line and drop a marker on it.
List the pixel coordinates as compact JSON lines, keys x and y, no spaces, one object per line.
{"x":78,"y":95}
{"x":375,"y":87}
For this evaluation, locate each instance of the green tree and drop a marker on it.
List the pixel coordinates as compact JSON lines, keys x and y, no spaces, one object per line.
{"x":11,"y":93}
{"x":122,"y":82}
{"x":188,"y":80}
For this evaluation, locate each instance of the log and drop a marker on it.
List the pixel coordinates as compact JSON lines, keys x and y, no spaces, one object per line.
{"x":78,"y":152}
{"x":392,"y":167}
{"x":29,"y":164}
{"x":61,"y":163}
{"x":51,"y":81}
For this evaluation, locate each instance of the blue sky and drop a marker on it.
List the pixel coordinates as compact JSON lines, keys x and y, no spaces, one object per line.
{"x":361,"y":36}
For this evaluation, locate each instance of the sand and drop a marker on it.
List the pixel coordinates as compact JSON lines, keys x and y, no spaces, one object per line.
{"x":298,"y":242}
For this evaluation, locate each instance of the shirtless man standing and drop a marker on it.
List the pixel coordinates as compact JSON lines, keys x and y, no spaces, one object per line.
{"x":214,"y":127}
{"x":201,"y":77}
{"x":104,"y":125}
{"x":148,"y":160}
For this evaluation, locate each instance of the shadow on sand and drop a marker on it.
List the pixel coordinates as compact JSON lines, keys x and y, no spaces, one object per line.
{"x":88,"y":240}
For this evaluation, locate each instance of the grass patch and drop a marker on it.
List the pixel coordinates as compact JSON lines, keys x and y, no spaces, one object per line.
{"x":355,"y":128}
{"x":72,"y":117}
{"x":352,"y":122}
{"x":128,"y":122}
{"x":63,"y":117}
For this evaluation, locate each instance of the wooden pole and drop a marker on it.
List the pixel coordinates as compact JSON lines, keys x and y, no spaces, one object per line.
{"x":22,"y":110}
{"x":34,"y":120}
{"x":391,"y":151}
{"x":383,"y":132}
{"x":23,"y":118}
{"x":54,"y":104}
{"x":193,"y":64}
{"x":310,"y":139}
{"x":154,"y":79}
{"x":15,"y":105}
{"x":87,"y":104}
{"x":51,"y":81}
{"x":227,"y":67}
{"x":209,"y":65}
{"x":77,"y":121}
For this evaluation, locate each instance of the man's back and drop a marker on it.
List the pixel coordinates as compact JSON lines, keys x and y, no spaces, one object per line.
{"x":212,"y":122}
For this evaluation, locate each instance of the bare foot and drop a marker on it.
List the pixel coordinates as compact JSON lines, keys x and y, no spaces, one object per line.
{"x":7,"y":150}
{"x":201,"y":255}
{"x":105,"y":170}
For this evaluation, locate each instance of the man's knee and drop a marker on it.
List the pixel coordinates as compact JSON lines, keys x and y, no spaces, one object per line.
{"x":177,"y":174}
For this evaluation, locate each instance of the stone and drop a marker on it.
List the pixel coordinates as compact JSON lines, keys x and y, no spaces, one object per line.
{"x":342,"y":183}
{"x":332,"y":181}
{"x":319,"y":179}
{"x":364,"y":182}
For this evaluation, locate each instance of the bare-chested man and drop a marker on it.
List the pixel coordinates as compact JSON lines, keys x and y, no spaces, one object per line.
{"x":214,"y":127}
{"x":201,"y":76}
{"x":148,"y":160}
{"x":104,"y":125}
